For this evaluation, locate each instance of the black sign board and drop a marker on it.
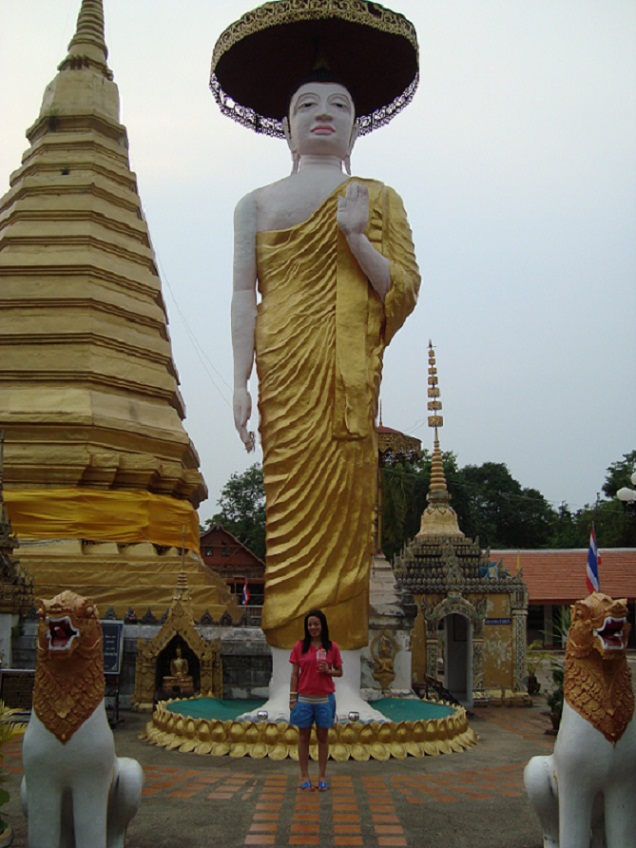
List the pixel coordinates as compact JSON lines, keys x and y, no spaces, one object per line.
{"x":113,"y":634}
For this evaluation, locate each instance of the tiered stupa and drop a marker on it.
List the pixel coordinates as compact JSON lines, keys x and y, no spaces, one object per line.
{"x":101,"y":479}
{"x":471,"y":613}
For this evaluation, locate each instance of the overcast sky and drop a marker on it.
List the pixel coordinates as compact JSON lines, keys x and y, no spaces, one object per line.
{"x":516,"y":162}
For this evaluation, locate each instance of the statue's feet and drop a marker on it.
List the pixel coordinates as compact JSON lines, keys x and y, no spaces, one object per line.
{"x":277,"y":709}
{"x":348,"y":701}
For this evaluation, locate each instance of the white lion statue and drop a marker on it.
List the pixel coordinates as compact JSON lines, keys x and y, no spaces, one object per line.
{"x":585,"y":792}
{"x":75,"y":792}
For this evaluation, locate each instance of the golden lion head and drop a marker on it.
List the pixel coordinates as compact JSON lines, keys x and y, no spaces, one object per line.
{"x":599,"y":624}
{"x":69,"y":626}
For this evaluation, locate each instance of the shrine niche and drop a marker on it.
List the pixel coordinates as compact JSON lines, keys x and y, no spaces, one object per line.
{"x":470,"y":628}
{"x":177,"y":662}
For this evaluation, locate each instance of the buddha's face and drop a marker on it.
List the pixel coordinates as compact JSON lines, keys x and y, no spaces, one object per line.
{"x":321,"y":117}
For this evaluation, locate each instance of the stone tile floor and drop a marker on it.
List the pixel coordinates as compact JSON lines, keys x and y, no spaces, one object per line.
{"x":474,"y":799}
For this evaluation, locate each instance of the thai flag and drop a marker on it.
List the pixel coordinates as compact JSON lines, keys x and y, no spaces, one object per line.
{"x":593,"y":560}
{"x":246,"y":593}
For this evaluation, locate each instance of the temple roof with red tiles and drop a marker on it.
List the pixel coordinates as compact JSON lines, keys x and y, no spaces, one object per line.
{"x":558,"y":576}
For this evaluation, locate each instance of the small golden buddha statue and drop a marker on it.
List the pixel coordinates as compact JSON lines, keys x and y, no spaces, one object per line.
{"x":179,"y":680}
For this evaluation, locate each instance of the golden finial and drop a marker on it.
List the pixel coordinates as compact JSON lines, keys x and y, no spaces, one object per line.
{"x":435,"y":405}
{"x":439,"y":518}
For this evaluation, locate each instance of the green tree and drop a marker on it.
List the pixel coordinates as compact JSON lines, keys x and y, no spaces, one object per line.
{"x":614,"y":521}
{"x":618,"y":474}
{"x":502,"y":513}
{"x":242,"y":509}
{"x":565,"y":532}
{"x":403,"y":499}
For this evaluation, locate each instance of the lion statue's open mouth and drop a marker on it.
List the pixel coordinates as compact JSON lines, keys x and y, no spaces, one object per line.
{"x":61,"y":633}
{"x":613,"y":634}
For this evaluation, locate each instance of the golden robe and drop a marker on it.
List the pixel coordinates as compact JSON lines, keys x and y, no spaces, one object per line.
{"x":320,"y":335}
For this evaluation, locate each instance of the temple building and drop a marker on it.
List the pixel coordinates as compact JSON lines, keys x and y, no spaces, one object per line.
{"x":470,"y":627}
{"x":102,"y":482}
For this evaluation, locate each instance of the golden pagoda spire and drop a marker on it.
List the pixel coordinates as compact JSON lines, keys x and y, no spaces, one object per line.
{"x":88,"y":45}
{"x":96,"y":448}
{"x":439,"y":518}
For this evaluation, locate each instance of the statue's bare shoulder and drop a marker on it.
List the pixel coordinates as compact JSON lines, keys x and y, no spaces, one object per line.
{"x":286,"y":202}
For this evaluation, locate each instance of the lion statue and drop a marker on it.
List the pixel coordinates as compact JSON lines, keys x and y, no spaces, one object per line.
{"x":584,"y":793}
{"x":76,"y":793}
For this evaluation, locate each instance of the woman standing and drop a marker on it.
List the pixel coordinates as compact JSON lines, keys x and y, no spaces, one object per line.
{"x":315,"y":662}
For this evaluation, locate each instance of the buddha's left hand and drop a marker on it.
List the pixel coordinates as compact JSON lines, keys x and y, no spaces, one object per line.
{"x":353,"y":209}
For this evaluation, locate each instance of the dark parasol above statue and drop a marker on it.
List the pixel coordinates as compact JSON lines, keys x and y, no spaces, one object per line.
{"x":259,"y":58}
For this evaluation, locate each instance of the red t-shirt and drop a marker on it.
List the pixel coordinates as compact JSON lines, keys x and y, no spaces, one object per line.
{"x":310,"y":680}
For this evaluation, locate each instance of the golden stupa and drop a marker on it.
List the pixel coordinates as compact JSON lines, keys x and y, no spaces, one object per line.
{"x":439,"y":518}
{"x":101,"y":479}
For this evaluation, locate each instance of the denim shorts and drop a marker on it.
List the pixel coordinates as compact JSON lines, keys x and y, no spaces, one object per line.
{"x":304,"y":714}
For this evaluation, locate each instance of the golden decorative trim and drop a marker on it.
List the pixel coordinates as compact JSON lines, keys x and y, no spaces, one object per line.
{"x":280,"y":12}
{"x":278,"y":740}
{"x":288,"y":12}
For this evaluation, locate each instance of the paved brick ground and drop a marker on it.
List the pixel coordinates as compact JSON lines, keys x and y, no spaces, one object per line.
{"x":471,"y":799}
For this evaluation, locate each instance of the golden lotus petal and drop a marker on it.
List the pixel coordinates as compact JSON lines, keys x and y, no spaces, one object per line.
{"x":349,"y":733}
{"x":419,"y":731}
{"x":413,"y":749}
{"x":203,"y":730}
{"x":432,"y":729}
{"x":237,"y":731}
{"x":386,"y":733}
{"x":218,"y":732}
{"x":339,"y":752}
{"x":290,"y":735}
{"x":367,"y":735}
{"x":220,"y":749}
{"x":404,"y":731}
{"x":398,"y":750}
{"x":271,"y":734}
{"x":252,"y":733}
{"x":258,"y":751}
{"x":360,"y":753}
{"x":238,"y":750}
{"x":279,"y":751}
{"x":379,"y":751}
